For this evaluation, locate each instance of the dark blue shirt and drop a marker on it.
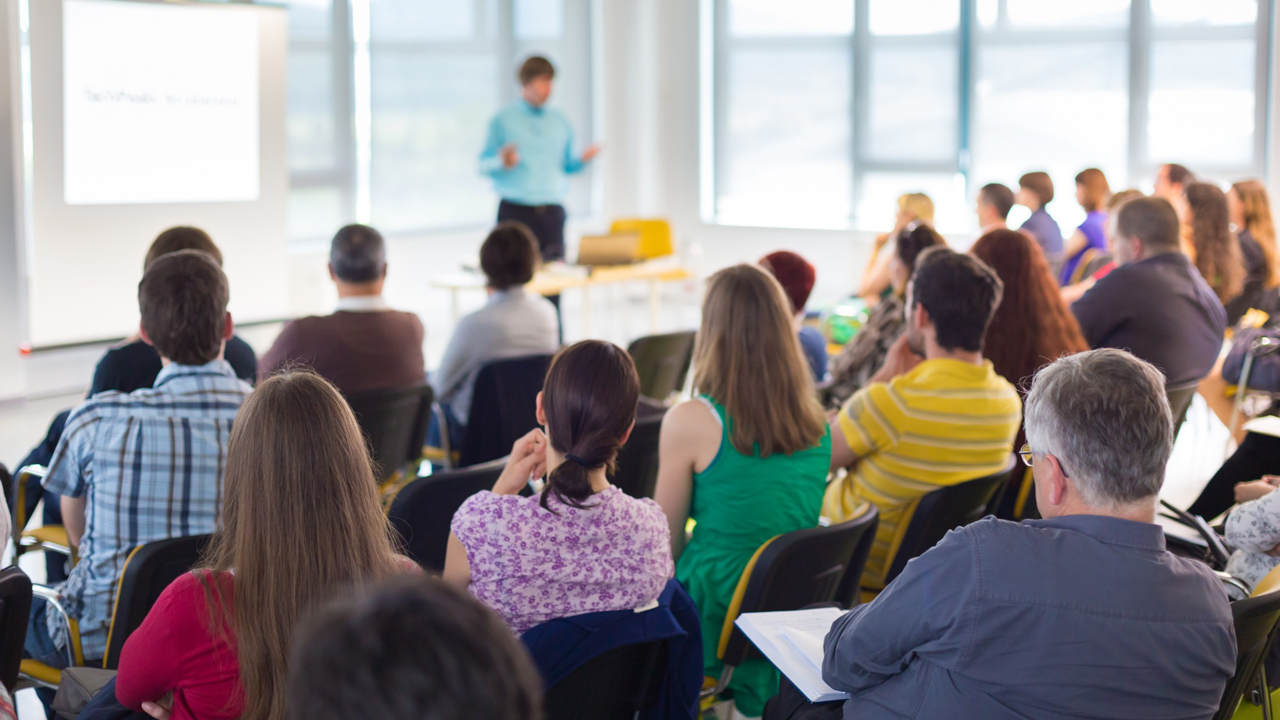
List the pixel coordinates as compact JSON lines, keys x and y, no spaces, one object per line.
{"x":1075,"y":617}
{"x":814,"y":346}
{"x":1045,"y":230}
{"x":1161,"y":310}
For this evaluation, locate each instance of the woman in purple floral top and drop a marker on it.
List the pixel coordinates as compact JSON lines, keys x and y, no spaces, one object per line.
{"x":581,"y":545}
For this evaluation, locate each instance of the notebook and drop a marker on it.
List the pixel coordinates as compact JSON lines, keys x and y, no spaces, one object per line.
{"x":792,"y":641}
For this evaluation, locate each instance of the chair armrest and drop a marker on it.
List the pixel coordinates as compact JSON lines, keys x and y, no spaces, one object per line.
{"x":54,"y":599}
{"x":1234,"y":582}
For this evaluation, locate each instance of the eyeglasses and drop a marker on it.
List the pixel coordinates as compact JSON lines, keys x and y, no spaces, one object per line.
{"x":1025,"y":453}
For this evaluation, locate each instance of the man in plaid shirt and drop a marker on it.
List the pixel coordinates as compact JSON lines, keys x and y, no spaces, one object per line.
{"x":148,"y":465}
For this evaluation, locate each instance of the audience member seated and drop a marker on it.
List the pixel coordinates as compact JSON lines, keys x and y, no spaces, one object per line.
{"x":1092,"y":191}
{"x":1249,"y":208}
{"x":936,"y":414}
{"x":865,"y":353}
{"x":131,"y":366}
{"x":914,"y":208}
{"x":1214,"y":249}
{"x":411,"y":649}
{"x":746,"y":459}
{"x":1035,"y":191}
{"x":797,"y":277}
{"x":1032,"y":326}
{"x":577,"y":564}
{"x":144,"y":466}
{"x":1171,"y":183}
{"x":994,"y":203}
{"x":301,"y":522}
{"x":1081,"y":614}
{"x":1073,"y":292}
{"x":364,"y":345}
{"x":513,"y":323}
{"x":1258,"y":455}
{"x":1154,"y":304}
{"x":1253,"y":529}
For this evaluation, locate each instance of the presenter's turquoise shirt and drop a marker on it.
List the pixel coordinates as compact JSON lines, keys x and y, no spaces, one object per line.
{"x":544,"y":141}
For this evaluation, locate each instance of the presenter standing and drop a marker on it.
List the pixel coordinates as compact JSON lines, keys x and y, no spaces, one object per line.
{"x":529,"y":154}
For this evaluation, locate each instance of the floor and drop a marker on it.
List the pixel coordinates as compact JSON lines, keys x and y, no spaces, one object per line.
{"x":1201,"y":446}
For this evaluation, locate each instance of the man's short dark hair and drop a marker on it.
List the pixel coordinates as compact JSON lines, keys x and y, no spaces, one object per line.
{"x":509,"y":256}
{"x":1179,"y":174}
{"x":357,"y":254}
{"x":961,"y":294}
{"x":535,"y":67}
{"x":1039,"y":183}
{"x":997,"y":196}
{"x":1152,"y":220}
{"x":183,"y":300}
{"x":415,"y":648}
{"x":183,"y":237}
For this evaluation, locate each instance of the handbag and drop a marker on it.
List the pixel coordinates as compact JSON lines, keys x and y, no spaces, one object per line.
{"x":90,"y":694}
{"x":1263,"y":344}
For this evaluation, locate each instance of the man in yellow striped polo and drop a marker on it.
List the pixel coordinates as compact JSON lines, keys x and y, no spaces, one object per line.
{"x":936,"y":414}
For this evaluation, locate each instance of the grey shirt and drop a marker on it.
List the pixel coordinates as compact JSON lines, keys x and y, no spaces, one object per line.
{"x":511,"y":324}
{"x":1073,"y":617}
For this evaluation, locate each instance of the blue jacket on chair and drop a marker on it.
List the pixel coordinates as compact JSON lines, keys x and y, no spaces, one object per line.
{"x":563,"y":645}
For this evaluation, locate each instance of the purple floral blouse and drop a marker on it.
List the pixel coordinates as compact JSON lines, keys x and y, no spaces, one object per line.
{"x":533,"y":565}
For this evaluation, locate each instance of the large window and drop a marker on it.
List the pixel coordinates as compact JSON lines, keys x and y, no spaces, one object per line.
{"x":826,"y":110}
{"x":389,"y":102}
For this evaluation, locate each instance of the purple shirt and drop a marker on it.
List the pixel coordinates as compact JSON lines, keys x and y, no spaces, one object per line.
{"x":533,"y":565}
{"x":1094,"y":230}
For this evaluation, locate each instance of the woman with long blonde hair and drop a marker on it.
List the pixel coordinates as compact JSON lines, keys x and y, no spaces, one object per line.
{"x":914,"y":209}
{"x":1214,"y":250}
{"x":747,"y":458}
{"x":300,"y":523}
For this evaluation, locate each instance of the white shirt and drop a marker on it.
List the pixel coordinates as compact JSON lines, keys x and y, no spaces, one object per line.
{"x":362,"y":303}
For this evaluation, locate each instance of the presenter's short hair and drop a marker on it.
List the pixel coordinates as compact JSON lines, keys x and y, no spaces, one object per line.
{"x":997,"y":196}
{"x":182,"y":237}
{"x":534,"y":67}
{"x":415,"y":648}
{"x":183,"y":301}
{"x":509,"y":256}
{"x":357,"y":254}
{"x":1152,"y":220}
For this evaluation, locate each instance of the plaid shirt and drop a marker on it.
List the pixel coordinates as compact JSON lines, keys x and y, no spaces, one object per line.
{"x":151,"y":464}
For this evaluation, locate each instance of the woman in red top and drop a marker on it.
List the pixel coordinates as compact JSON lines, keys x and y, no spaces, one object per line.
{"x":300,"y":523}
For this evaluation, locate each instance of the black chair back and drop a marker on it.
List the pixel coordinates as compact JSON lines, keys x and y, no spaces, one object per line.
{"x":637,"y":473}
{"x":615,"y":685}
{"x":394,"y":423}
{"x":423,"y":510}
{"x":662,"y":361}
{"x":502,"y":407}
{"x":1256,"y":619}
{"x":799,"y":569}
{"x":946,"y":509}
{"x":148,"y":570}
{"x":15,"y":608}
{"x":1180,"y":397}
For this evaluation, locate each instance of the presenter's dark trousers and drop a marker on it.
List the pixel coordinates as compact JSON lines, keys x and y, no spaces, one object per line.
{"x":791,"y":704}
{"x":547,"y":224}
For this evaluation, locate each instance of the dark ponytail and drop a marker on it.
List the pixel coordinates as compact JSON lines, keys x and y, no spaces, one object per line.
{"x":590,"y":399}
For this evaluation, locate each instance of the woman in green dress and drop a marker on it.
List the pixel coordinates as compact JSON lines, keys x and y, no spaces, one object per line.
{"x":746,"y":459}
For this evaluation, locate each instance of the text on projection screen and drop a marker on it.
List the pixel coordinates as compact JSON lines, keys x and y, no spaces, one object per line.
{"x":160,"y":103}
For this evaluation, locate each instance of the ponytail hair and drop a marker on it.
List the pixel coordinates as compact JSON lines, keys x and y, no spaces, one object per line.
{"x":589,"y":400}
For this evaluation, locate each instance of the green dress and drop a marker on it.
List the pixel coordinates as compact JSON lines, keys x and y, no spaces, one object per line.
{"x":739,"y":503}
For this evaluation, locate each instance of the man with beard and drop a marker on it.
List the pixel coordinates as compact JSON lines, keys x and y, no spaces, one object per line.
{"x":936,"y":414}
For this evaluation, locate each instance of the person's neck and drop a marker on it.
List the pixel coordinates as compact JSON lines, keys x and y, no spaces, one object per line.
{"x":166,"y":362}
{"x":1143,"y":511}
{"x":349,"y":290}
{"x":532,"y":102}
{"x":598,"y":477}
{"x":934,"y":351}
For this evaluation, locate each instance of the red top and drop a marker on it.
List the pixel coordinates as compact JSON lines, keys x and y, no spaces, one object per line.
{"x":175,"y":649}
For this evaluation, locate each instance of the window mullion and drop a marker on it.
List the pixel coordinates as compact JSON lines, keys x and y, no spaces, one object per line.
{"x":860,"y":97}
{"x":1139,"y":87}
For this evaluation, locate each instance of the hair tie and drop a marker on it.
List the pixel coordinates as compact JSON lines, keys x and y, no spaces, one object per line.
{"x":575,"y":459}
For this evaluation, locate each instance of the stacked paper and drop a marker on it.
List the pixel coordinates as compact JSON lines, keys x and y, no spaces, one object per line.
{"x":792,"y":641}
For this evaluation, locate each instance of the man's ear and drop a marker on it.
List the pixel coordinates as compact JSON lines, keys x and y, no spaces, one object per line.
{"x":1139,"y":249}
{"x":228,"y":328}
{"x":142,"y":333}
{"x":332,"y":275}
{"x":1057,"y":485}
{"x":541,"y":414}
{"x":920,"y":317}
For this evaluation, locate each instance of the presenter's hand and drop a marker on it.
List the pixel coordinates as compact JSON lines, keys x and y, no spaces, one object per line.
{"x":510,"y":157}
{"x":528,"y":460}
{"x":590,"y":153}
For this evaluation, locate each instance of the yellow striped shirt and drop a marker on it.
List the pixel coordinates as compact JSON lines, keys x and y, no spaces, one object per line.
{"x":943,"y":423}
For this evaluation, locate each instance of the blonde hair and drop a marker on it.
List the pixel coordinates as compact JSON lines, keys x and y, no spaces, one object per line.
{"x":1257,"y":220}
{"x":919,"y":205}
{"x":748,"y":358}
